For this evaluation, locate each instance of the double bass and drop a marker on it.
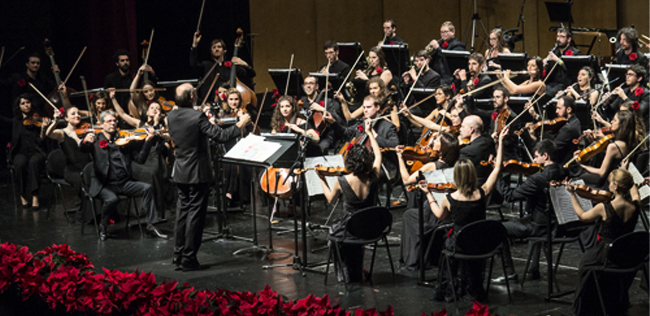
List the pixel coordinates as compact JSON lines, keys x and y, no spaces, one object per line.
{"x":56,"y":96}
{"x":249,"y":100}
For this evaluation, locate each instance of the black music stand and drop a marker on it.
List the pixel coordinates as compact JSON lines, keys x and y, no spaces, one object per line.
{"x":334,"y":79}
{"x":575,"y":63}
{"x":615,"y":71}
{"x":427,"y":106}
{"x":559,"y":12}
{"x":278,"y":159}
{"x":455,"y":59}
{"x":397,"y":57}
{"x":349,"y":52}
{"x":513,"y":61}
{"x":279,"y":77}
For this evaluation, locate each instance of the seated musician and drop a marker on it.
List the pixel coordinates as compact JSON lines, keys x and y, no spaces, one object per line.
{"x":140,"y":99}
{"x":585,"y":89}
{"x":475,"y":79}
{"x":629,"y":52}
{"x":99,"y":102}
{"x":531,"y":87}
{"x":315,"y":100}
{"x":358,"y":190}
{"x":384,"y":131}
{"x":629,"y":105}
{"x":636,"y":90}
{"x":377,"y":89}
{"x":428,"y":78}
{"x":559,"y":78}
{"x":538,"y":205}
{"x":390,"y":30}
{"x":112,"y":172}
{"x":497,"y":46}
{"x":447,"y":41}
{"x":337,"y":66}
{"x":68,"y":139}
{"x":27,"y":151}
{"x":153,"y":117}
{"x":377,"y":68}
{"x":443,"y":95}
{"x":480,"y":147}
{"x":287,"y":119}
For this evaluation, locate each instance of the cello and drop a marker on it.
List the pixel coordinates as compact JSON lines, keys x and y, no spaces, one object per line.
{"x":56,"y":97}
{"x":249,"y":100}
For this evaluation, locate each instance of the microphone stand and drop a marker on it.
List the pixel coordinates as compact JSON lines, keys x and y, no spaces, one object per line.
{"x":522,"y":20}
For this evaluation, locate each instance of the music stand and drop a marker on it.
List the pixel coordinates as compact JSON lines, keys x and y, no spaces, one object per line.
{"x":397,"y":57}
{"x":575,"y":63}
{"x":559,"y":12}
{"x":427,"y":106}
{"x":616,"y":71}
{"x":279,"y":77}
{"x":513,"y":61}
{"x":334,"y":79}
{"x":455,"y":59}
{"x":349,"y":52}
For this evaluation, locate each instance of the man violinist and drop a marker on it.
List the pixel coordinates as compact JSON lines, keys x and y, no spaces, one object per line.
{"x":112,"y":174}
{"x":245,"y":72}
{"x":337,"y":66}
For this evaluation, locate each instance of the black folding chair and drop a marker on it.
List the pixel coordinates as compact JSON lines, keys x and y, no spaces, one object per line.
{"x":12,"y":171}
{"x":55,"y":164}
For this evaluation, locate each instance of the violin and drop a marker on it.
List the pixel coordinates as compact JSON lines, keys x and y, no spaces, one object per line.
{"x":517,"y":167}
{"x":35,"y":120}
{"x":604,"y":130}
{"x":415,"y":154}
{"x":125,"y":136}
{"x":552,"y":126}
{"x":601,"y":196}
{"x":326,"y":171}
{"x":464,"y":142}
{"x":427,"y":134}
{"x":501,"y":120}
{"x":277,"y":183}
{"x":592,"y":150}
{"x":434,"y":187}
{"x":86,"y":128}
{"x":165,"y":105}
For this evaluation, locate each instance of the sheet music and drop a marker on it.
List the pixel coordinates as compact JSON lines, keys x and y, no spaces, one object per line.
{"x":561,"y":199}
{"x":644,"y":193}
{"x":253,"y":148}
{"x":312,"y":180}
{"x":636,"y":175}
{"x":438,"y":196}
{"x":440,"y":176}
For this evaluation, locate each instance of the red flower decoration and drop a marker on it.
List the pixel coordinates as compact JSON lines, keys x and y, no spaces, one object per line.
{"x":638,"y":92}
{"x":321,"y":103}
{"x":317,"y":133}
{"x":62,"y":110}
{"x":8,"y":145}
{"x":103,"y":143}
{"x":276,"y":94}
{"x":392,"y":42}
{"x":149,"y":102}
{"x":360,"y":128}
{"x":632,"y":56}
{"x":600,"y":239}
{"x":22,"y":83}
{"x":133,"y":76}
{"x":636,"y":105}
{"x":494,"y":116}
{"x":227,"y":64}
{"x":453,"y":87}
{"x":445,"y":45}
{"x":350,"y":145}
{"x":282,"y":127}
{"x":380,"y":70}
{"x":568,"y":52}
{"x":475,"y":81}
{"x":90,"y":96}
{"x":544,"y":73}
{"x":451,"y":231}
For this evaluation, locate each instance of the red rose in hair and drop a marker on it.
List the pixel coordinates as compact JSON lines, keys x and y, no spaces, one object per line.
{"x":632,"y":56}
{"x":392,"y":42}
{"x":638,"y":92}
{"x":227,"y":64}
{"x":445,"y":45}
{"x":22,"y":83}
{"x":321,"y":103}
{"x":62,"y":110}
{"x":453,"y":87}
{"x":103,"y":143}
{"x":360,"y":128}
{"x":475,"y":81}
{"x":568,"y":52}
{"x":494,"y":116}
{"x":544,"y":73}
{"x":347,"y":149}
{"x":380,"y":70}
{"x":636,"y":105}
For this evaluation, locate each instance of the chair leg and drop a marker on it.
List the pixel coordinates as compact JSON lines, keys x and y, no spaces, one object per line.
{"x":503,"y":264}
{"x":372,"y":262}
{"x":531,"y":249}
{"x":489,"y":278}
{"x":600,"y":294}
{"x":451,"y":283}
{"x":559,"y":255}
{"x":327,"y":267}
{"x":645,"y":275}
{"x":390,"y":259}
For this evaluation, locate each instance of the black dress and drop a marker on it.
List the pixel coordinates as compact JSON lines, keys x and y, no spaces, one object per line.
{"x":468,"y":275}
{"x":351,"y":255}
{"x":614,"y":288}
{"x":27,"y":155}
{"x":237,"y":179}
{"x":75,"y":161}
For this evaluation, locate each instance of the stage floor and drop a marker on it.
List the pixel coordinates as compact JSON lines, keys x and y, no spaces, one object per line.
{"x":245,"y":272}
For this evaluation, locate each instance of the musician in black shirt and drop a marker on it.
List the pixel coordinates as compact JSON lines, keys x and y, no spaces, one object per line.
{"x":447,"y":41}
{"x":560,"y":77}
{"x":123,"y":77}
{"x":337,"y":66}
{"x":629,"y":52}
{"x":390,"y":29}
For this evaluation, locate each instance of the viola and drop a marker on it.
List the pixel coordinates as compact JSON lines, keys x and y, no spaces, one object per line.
{"x":34,"y":120}
{"x":125,"y":136}
{"x":326,"y":171}
{"x":517,"y":167}
{"x":434,"y":187}
{"x":592,"y":150}
{"x":601,"y":196}
{"x":552,"y":126}
{"x":277,"y":183}
{"x":604,"y":130}
{"x":464,"y":142}
{"x":415,"y":154}
{"x":86,"y":128}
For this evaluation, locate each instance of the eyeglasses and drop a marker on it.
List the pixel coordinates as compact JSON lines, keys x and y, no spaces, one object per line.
{"x":309,"y":83}
{"x":630,"y":74}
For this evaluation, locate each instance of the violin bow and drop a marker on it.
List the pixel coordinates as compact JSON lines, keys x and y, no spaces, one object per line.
{"x":327,"y":80}
{"x":146,"y":59}
{"x":12,"y":56}
{"x":413,"y":85}
{"x":44,"y":97}
{"x":211,"y":86}
{"x":198,"y":26}
{"x":74,"y":66}
{"x":349,"y":73}
{"x":635,"y":149}
{"x":83,"y":83}
{"x":286,"y":88}
{"x":260,"y":110}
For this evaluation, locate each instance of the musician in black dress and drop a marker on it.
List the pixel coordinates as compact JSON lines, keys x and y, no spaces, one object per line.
{"x":534,"y":86}
{"x":585,"y":89}
{"x":628,"y":52}
{"x":378,"y":67}
{"x":497,"y":46}
{"x":448,"y":41}
{"x":27,"y":150}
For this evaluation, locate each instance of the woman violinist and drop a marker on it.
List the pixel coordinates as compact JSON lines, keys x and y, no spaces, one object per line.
{"x":69,"y":138}
{"x":26,"y":149}
{"x":443,"y":96}
{"x":497,"y":46}
{"x":154,"y":117}
{"x":445,"y":146}
{"x":358,"y":190}
{"x":286,"y":119}
{"x":138,"y":105}
{"x":529,"y":87}
{"x":614,"y":219}
{"x":378,"y":67}
{"x":624,"y":129}
{"x":641,"y":126}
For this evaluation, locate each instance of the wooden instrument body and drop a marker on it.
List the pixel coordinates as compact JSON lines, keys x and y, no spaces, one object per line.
{"x":277,"y":183}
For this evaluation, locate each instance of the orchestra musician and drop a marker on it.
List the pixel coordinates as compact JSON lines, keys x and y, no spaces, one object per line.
{"x":390,"y":30}
{"x":19,"y":82}
{"x":377,"y":89}
{"x":585,"y":89}
{"x":153,"y":117}
{"x":530,"y":86}
{"x":112,"y":174}
{"x":315,"y":100}
{"x":190,"y":130}
{"x":636,"y":90}
{"x":480,"y":147}
{"x":538,"y":206}
{"x":443,"y":95}
{"x":628,"y":52}
{"x":472,"y":78}
{"x":497,"y":46}
{"x":448,"y":41}
{"x":428,"y":78}
{"x":629,"y":105}
{"x":27,"y":151}
{"x":377,"y":68}
{"x":564,"y":46}
{"x":140,"y":100}
{"x":337,"y":66}
{"x":122,"y":78}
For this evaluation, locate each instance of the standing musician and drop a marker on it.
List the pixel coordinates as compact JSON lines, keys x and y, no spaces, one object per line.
{"x":563,"y":46}
{"x":538,"y":205}
{"x":585,"y":89}
{"x":377,"y":67}
{"x":112,"y":172}
{"x":628,"y":52}
{"x":245,"y":73}
{"x":565,"y":108}
{"x":475,"y":79}
{"x":122,"y":77}
{"x":447,"y":41}
{"x":530,"y":86}
{"x":497,"y":46}
{"x":636,"y":91}
{"x":19,"y":82}
{"x":190,"y":131}
{"x":428,"y":78}
{"x":480,"y":147}
{"x":390,"y":30}
{"x":337,"y":66}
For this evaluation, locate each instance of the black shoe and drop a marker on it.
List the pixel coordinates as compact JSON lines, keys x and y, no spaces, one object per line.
{"x":102,"y":233}
{"x":192,"y":266}
{"x":152,"y":229}
{"x":176,"y":262}
{"x":26,"y":206}
{"x":36,"y":208}
{"x":502,"y":279}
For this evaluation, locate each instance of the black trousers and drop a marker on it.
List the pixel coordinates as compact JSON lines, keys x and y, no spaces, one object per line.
{"x":191,"y":210}
{"x":129,"y":188}
{"x":522,"y":228}
{"x":28,"y":171}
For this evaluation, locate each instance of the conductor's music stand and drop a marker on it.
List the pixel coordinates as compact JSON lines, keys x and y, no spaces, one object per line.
{"x":575,"y":63}
{"x":397,"y":57}
{"x":348,"y":53}
{"x":455,"y":59}
{"x":279,"y":77}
